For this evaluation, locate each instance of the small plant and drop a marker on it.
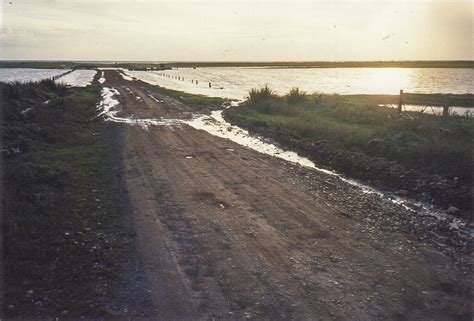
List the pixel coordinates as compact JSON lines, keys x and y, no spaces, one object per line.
{"x":259,"y":95}
{"x":296,"y":96}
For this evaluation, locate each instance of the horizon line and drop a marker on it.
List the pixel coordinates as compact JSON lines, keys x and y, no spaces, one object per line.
{"x":235,"y":61}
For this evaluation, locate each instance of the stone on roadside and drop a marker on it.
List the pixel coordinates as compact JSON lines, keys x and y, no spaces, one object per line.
{"x":453,"y":210}
{"x":403,"y":192}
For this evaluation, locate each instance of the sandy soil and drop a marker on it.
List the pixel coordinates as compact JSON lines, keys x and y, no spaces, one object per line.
{"x":225,"y":232}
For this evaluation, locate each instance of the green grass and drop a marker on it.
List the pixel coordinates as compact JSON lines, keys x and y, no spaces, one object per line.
{"x":60,"y":214}
{"x":424,"y":142}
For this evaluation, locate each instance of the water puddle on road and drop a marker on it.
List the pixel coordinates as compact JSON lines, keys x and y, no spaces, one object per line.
{"x":102,"y":76}
{"x":155,"y":99}
{"x":217,"y":126}
{"x":109,"y":109}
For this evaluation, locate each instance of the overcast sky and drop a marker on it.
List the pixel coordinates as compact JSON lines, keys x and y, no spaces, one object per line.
{"x":204,"y":30}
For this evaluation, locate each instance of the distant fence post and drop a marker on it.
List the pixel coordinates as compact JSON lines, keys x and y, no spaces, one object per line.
{"x":446,"y":107}
{"x":400,"y":101}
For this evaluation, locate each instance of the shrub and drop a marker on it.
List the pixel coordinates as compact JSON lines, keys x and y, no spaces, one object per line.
{"x":259,"y":95}
{"x":296,"y":96}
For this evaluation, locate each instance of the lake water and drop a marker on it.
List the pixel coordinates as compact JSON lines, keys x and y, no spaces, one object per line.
{"x":235,"y":82}
{"x":27,"y":74}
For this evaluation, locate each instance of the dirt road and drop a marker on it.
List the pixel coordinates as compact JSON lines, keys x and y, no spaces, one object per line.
{"x":225,"y":232}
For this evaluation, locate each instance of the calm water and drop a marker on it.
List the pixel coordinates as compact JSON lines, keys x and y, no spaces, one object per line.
{"x":27,"y":74}
{"x":235,"y":82}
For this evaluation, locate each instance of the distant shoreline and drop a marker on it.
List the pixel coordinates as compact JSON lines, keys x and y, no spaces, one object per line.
{"x":309,"y":64}
{"x":333,"y":64}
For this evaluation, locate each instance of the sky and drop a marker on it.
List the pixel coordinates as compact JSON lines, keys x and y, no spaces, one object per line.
{"x":219,"y":30}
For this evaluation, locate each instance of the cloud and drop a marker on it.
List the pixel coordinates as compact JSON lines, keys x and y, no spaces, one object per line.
{"x":237,"y":30}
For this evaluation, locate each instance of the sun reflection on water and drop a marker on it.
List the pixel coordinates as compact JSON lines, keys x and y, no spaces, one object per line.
{"x":386,"y":80}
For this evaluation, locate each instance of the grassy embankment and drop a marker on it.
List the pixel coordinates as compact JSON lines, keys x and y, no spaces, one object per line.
{"x":61,"y":223}
{"x":353,"y":135}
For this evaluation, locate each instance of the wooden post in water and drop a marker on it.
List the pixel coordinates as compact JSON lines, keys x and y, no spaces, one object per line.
{"x":400,"y":101}
{"x":446,"y":107}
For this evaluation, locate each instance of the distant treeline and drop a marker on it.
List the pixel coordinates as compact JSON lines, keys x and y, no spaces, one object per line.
{"x":280,"y":64}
